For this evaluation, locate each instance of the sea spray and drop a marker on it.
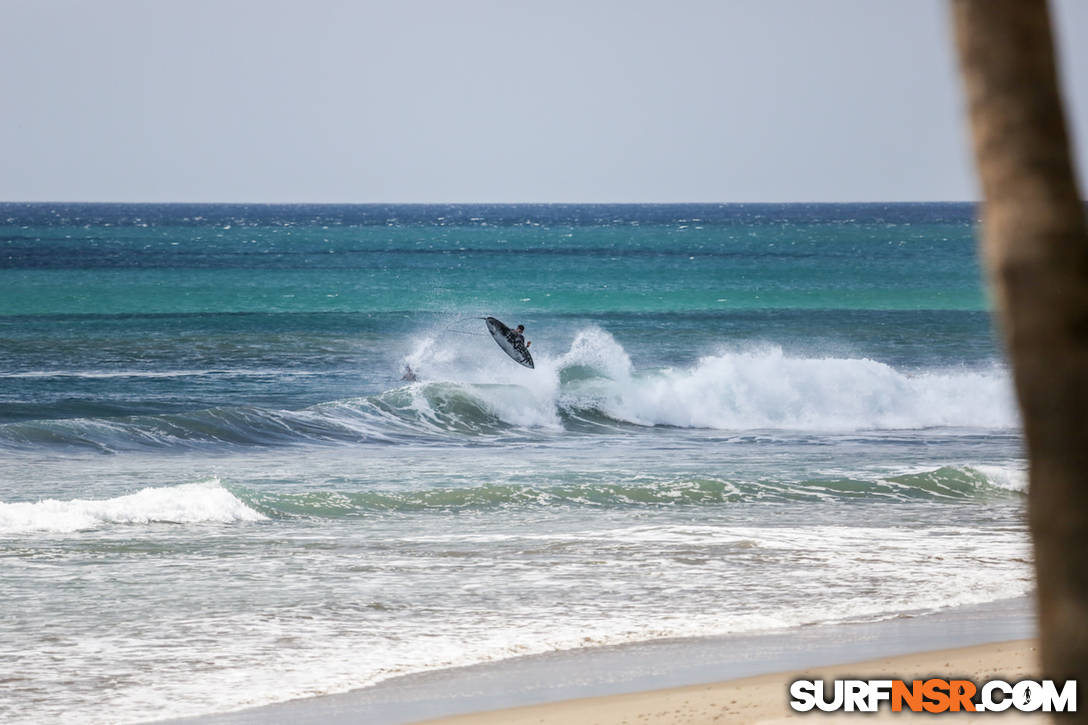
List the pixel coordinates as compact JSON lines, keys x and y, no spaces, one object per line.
{"x":740,"y":389}
{"x":766,"y":389}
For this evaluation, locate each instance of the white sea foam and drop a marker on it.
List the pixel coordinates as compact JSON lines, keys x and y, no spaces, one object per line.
{"x":204,"y":502}
{"x":1013,"y":478}
{"x":597,"y":349}
{"x":801,"y":575}
{"x":737,"y":390}
{"x":743,"y":389}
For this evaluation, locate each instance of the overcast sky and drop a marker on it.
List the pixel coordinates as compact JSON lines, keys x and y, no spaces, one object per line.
{"x":468,"y":101}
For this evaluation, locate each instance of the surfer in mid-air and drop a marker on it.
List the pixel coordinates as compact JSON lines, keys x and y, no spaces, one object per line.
{"x":512,"y":342}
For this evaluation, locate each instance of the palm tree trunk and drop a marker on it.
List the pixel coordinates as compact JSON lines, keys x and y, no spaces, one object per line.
{"x":1035,"y":246}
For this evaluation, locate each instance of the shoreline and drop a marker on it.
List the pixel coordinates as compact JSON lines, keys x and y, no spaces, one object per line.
{"x":764,"y":698}
{"x":638,"y":670}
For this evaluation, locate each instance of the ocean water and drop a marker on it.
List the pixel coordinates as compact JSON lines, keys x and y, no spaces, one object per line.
{"x":216,"y":491}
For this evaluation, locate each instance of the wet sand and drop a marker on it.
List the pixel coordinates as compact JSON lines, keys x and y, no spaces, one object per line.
{"x":764,"y":699}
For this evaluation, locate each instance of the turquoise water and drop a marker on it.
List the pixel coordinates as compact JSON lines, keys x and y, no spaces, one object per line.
{"x":528,"y":260}
{"x":216,"y":490}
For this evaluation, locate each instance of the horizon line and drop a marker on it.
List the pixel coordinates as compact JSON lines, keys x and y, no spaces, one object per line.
{"x":488,"y":203}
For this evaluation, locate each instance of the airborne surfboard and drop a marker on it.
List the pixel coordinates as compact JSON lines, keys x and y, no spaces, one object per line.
{"x":509,"y":342}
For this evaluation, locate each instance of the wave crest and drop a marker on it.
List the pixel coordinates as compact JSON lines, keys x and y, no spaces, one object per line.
{"x":769,"y":390}
{"x":466,"y":392}
{"x":948,"y":483}
{"x":204,"y":502}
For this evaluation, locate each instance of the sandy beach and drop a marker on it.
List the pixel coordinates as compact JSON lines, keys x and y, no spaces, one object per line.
{"x":764,"y":699}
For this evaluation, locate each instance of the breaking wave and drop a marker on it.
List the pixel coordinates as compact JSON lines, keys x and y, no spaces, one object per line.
{"x":593,"y":386}
{"x":211,"y":502}
{"x":192,"y":503}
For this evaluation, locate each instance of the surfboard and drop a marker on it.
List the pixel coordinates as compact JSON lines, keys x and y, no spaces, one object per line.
{"x":508,"y":341}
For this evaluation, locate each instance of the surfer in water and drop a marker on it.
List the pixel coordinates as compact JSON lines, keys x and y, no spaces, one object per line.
{"x":409,"y":374}
{"x":519,"y":336}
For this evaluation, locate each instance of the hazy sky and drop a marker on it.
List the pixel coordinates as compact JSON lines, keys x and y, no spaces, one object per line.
{"x":459,"y":101}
